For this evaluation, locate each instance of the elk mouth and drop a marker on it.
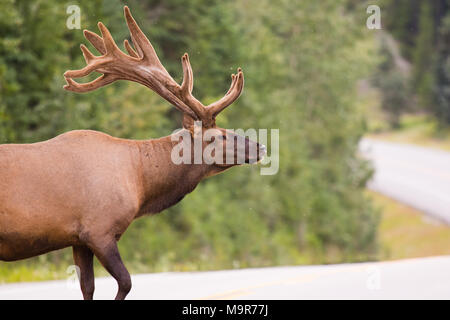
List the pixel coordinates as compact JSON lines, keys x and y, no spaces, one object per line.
{"x":262,"y":151}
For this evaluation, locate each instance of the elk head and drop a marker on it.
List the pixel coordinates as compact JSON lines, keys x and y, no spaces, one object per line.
{"x":142,"y":65}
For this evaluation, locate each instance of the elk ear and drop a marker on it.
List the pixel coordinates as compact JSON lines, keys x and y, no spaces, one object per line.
{"x":188,"y":122}
{"x":194,"y":126}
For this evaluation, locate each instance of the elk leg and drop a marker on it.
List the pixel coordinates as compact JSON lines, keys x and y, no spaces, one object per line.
{"x":84,"y":259}
{"x":110,"y":258}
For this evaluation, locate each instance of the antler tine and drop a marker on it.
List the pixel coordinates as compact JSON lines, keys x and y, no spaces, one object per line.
{"x":187,"y":86}
{"x":140,"y":41}
{"x":233,"y":82}
{"x":93,"y":65}
{"x":95,"y":40}
{"x":188,"y":79}
{"x":237,"y":84}
{"x":138,"y":49}
{"x":88,"y":56}
{"x":192,"y":74}
{"x":108,"y":41}
{"x":130,"y":49}
{"x":101,"y":81}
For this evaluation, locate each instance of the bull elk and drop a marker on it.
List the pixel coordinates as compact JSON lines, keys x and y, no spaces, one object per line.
{"x":84,"y":188}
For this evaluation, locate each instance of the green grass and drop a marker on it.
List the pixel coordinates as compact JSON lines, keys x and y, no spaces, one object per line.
{"x":417,"y":129}
{"x":406,"y":233}
{"x":21,"y":271}
{"x":51,"y":266}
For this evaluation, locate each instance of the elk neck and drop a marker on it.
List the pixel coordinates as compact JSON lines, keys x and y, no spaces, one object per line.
{"x":165,"y":183}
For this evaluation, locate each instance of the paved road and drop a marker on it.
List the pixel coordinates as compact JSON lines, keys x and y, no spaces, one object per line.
{"x":426,"y":278}
{"x":416,"y":176}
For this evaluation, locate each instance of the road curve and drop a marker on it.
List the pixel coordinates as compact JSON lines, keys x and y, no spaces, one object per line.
{"x":425,"y":278}
{"x":413,"y":175}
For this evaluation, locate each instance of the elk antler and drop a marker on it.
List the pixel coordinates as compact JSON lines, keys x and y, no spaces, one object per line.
{"x":143,"y":66}
{"x":237,"y":84}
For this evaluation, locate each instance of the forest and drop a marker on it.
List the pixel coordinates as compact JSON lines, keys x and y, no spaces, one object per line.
{"x":422,"y":30}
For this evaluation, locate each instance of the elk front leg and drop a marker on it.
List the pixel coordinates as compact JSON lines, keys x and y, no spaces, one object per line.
{"x":109,"y":257}
{"x":84,"y":259}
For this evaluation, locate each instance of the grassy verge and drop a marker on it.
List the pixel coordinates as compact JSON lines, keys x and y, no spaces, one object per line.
{"x":51,"y":266}
{"x":36,"y":269}
{"x":416,"y":129}
{"x":406,"y":233}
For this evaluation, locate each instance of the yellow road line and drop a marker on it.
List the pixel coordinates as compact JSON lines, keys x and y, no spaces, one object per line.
{"x":287,"y":281}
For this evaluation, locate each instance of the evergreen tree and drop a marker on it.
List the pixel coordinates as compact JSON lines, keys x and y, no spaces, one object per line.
{"x":442,"y":83}
{"x":422,"y":57}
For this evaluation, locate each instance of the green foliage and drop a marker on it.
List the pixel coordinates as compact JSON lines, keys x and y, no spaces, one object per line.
{"x":301,"y":62}
{"x":401,"y":19}
{"x":420,"y":27}
{"x":393,"y":84}
{"x":422,"y":58}
{"x":442,"y":83}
